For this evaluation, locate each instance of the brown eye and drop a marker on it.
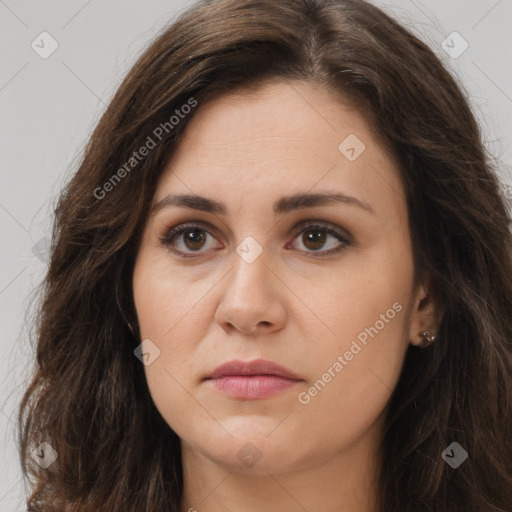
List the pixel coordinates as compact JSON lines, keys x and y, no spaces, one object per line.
{"x":187,"y":239}
{"x":317,"y":240}
{"x":194,"y":239}
{"x":314,"y":239}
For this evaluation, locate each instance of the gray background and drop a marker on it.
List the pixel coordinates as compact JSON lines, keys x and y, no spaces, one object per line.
{"x":48,"y":108}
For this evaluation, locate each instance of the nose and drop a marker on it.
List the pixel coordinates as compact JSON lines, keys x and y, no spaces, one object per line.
{"x":251,"y":302}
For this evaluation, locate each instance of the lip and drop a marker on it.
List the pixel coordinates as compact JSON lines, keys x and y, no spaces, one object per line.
{"x":251,"y":380}
{"x":254,"y":367}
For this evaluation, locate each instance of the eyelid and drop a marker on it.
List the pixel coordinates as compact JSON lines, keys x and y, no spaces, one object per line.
{"x":324,"y":225}
{"x":341,"y":234}
{"x":171,"y":230}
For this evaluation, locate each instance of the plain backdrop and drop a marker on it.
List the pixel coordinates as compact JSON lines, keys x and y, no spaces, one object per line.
{"x":49,"y":106}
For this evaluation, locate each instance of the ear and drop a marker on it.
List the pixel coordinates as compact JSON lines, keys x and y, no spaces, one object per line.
{"x":424,"y":316}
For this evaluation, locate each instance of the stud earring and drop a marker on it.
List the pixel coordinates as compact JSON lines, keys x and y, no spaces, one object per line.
{"x":428,"y":338}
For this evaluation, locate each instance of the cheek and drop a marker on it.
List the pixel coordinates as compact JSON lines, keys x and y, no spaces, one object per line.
{"x":171,"y":313}
{"x":356,"y":372}
{"x":169,"y":376}
{"x":170,"y":394}
{"x":163,"y":296}
{"x":371,"y":291}
{"x":359,"y":362}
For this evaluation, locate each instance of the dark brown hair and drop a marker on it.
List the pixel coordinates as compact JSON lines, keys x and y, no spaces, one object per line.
{"x":88,"y":396}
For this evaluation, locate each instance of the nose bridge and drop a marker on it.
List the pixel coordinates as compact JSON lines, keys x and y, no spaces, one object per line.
{"x":250,"y":267}
{"x":249,"y":300}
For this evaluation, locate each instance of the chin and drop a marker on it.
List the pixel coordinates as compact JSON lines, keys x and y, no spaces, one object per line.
{"x":254,"y":451}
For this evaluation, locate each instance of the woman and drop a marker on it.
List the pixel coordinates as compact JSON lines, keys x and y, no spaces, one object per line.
{"x":281,"y":279}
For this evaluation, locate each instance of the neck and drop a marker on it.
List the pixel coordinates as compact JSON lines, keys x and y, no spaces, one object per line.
{"x":343,"y":481}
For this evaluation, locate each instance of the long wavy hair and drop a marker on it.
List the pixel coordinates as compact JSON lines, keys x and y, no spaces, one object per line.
{"x":88,"y":396}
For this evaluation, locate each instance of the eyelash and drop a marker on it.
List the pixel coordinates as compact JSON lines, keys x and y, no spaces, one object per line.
{"x":174,"y":231}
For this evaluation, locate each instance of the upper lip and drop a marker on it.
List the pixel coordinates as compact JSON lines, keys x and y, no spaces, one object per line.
{"x":255,"y":367}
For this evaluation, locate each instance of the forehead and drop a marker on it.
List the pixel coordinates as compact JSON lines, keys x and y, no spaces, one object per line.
{"x":283,"y":137}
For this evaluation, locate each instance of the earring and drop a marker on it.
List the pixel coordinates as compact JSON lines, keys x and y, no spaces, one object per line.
{"x":428,"y":338}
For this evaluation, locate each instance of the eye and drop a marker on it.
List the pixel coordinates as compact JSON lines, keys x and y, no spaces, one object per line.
{"x":186,"y":239}
{"x":315,"y":236}
{"x":192,"y":236}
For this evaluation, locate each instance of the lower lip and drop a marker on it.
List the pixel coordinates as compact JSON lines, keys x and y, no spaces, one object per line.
{"x":252,"y":387}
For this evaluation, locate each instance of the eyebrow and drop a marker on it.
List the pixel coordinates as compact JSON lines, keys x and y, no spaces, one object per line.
{"x":283,"y":205}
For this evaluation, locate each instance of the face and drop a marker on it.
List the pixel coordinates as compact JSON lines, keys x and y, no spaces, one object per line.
{"x":321,"y":288}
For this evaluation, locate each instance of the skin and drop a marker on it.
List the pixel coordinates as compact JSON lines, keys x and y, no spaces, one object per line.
{"x":248,"y":149}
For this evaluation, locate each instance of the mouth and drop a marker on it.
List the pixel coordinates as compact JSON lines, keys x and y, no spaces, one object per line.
{"x":252,"y":380}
